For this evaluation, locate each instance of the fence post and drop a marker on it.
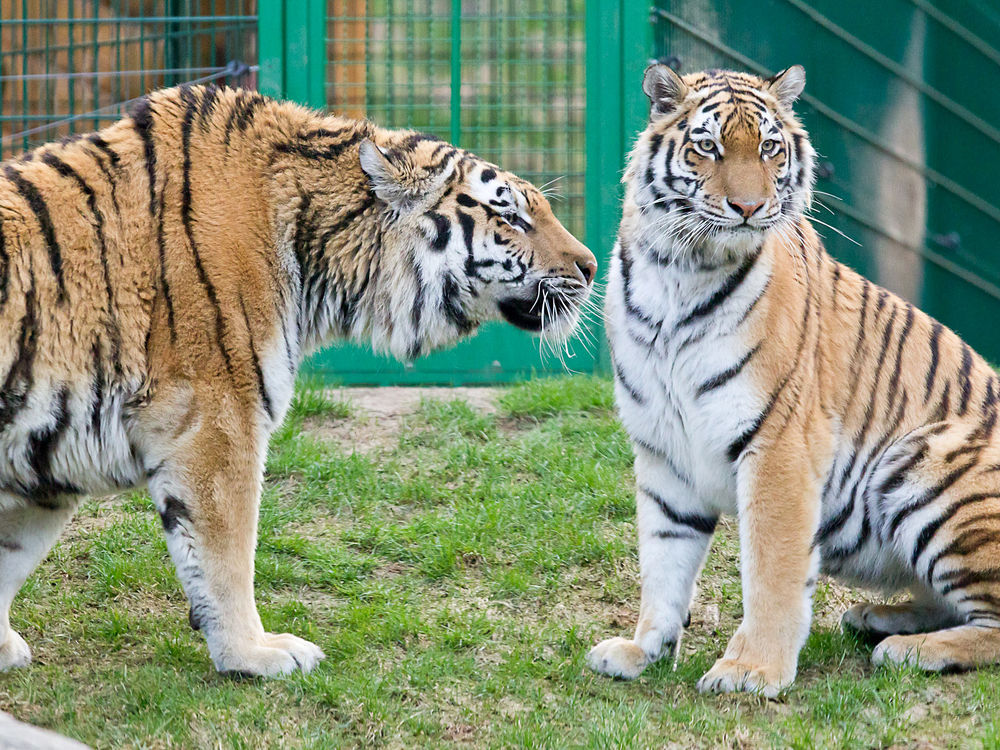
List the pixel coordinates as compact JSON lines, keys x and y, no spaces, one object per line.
{"x":292,"y":39}
{"x":271,"y":47}
{"x":618,"y":48}
{"x":455,"y":118}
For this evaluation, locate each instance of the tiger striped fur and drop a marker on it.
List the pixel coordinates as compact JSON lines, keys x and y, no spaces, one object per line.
{"x":847,"y":430}
{"x":161,"y":280}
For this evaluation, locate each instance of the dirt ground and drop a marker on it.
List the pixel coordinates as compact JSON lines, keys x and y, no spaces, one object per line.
{"x":377,"y":413}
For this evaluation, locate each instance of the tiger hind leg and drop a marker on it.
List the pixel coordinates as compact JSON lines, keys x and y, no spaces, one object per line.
{"x":952,"y":649}
{"x":874,"y":622}
{"x":27,"y":533}
{"x":941,"y":516}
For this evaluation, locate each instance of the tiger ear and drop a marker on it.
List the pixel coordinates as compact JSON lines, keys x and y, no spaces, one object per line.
{"x":664,"y":88}
{"x":386,"y":180}
{"x":402,"y":185}
{"x":787,"y":85}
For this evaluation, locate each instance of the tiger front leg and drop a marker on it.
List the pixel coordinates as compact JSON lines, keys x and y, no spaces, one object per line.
{"x":208,"y":495}
{"x":674,"y":532}
{"x":779,"y":506}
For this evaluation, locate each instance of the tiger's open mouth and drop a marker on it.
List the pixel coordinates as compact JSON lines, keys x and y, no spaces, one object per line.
{"x":554,"y":304}
{"x":526,"y":314}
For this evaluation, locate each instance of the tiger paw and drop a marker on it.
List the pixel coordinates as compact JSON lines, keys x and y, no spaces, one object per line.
{"x":273,"y":656}
{"x":733,"y":675}
{"x":14,"y":652}
{"x":860,"y":620}
{"x":922,"y":651}
{"x":617,"y":657}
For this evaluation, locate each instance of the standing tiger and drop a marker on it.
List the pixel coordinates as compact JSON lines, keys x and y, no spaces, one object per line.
{"x":848,"y":431}
{"x":161,"y":279}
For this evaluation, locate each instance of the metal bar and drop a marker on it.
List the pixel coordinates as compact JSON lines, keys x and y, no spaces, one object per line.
{"x":271,"y":43}
{"x":72,"y":63}
{"x":95,"y":100}
{"x":984,"y":48}
{"x":144,"y":19}
{"x":605,"y":131}
{"x":924,"y":252}
{"x":899,"y":71}
{"x":172,"y":42}
{"x":28,"y":116}
{"x":368,"y":58}
{"x":24,"y":69}
{"x":931,"y":175}
{"x":108,"y":74}
{"x":455,"y":128}
{"x":304,"y":52}
{"x":118,"y":52}
{"x":317,"y":54}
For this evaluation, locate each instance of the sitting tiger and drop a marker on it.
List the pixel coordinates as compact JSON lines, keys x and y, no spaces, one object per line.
{"x":848,"y":431}
{"x":161,"y":280}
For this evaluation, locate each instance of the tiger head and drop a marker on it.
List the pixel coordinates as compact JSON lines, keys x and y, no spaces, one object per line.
{"x":722,"y":162}
{"x":484,"y":243}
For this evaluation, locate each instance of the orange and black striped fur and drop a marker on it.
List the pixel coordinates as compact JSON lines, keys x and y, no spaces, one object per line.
{"x":847,"y":430}
{"x":160,"y":281}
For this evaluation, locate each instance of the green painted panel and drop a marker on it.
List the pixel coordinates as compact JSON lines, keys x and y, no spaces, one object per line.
{"x":910,"y":145}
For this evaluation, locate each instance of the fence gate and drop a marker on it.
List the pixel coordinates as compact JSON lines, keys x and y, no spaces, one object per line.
{"x":502,"y":78}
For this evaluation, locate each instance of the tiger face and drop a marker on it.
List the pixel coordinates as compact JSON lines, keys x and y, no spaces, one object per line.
{"x":485,"y":243}
{"x":722,"y":162}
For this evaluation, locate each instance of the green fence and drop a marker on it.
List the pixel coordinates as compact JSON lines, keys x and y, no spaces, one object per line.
{"x":502,"y":78}
{"x":71,"y":66}
{"x":900,"y":107}
{"x":898,"y":102}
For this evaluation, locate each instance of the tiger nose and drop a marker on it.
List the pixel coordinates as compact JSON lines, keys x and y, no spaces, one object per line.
{"x":588,"y":269}
{"x":744,"y":207}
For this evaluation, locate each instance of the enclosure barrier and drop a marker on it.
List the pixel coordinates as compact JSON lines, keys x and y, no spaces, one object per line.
{"x":551,"y":90}
{"x":909,"y":144}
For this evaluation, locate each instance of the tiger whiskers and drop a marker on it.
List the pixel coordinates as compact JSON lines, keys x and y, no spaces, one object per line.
{"x":567,"y":309}
{"x":548,"y":192}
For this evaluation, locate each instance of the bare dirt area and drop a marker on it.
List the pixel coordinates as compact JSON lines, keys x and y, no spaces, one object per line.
{"x":377,"y":414}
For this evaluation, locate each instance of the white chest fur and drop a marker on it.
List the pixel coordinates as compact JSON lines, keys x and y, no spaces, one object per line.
{"x":680,"y":349}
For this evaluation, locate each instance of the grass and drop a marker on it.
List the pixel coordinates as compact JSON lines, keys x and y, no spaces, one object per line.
{"x":455,"y":578}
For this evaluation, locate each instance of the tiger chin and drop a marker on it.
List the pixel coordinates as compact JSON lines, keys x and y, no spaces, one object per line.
{"x":162,"y":279}
{"x":847,"y":431}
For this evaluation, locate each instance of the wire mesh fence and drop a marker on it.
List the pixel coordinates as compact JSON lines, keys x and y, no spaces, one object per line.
{"x":502,"y":78}
{"x":68,"y":66}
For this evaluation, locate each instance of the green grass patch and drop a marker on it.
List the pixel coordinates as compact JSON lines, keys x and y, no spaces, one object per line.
{"x":455,"y":579}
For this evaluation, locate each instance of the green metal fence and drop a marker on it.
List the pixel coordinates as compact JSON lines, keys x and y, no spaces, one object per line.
{"x":68,"y":66}
{"x":900,"y":104}
{"x":502,"y":78}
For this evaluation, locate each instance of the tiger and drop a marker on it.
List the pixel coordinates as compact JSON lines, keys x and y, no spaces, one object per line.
{"x":162,"y":279}
{"x":847,"y":431}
